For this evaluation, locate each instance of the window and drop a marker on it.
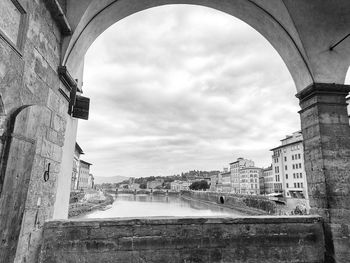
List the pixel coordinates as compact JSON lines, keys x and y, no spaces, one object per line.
{"x":293,"y":166}
{"x":286,"y":176}
{"x":299,"y":165}
{"x":285,"y":167}
{"x":11,"y":22}
{"x":301,"y":185}
{"x":301,"y":175}
{"x":287,"y":185}
{"x":299,"y":156}
{"x":285,"y":158}
{"x":292,"y":157}
{"x":295,"y":185}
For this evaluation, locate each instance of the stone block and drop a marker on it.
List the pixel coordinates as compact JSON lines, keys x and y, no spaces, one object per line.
{"x":51,"y":151}
{"x":125,"y":243}
{"x":55,"y":137}
{"x":153,"y":243}
{"x":113,"y":233}
{"x":58,"y":123}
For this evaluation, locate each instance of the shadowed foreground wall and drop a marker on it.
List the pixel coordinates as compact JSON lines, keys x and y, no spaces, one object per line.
{"x":252,"y":239}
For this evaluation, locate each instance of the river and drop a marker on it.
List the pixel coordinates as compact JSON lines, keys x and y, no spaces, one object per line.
{"x":128,"y":205}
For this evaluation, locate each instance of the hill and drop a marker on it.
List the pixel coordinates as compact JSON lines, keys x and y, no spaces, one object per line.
{"x":111,"y":179}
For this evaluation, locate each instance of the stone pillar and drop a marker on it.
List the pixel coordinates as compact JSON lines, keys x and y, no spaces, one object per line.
{"x":326,"y":132}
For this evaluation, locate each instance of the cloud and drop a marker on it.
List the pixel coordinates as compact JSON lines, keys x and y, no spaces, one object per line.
{"x":181,"y":87}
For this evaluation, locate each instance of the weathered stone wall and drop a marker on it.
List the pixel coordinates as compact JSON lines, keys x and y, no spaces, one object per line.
{"x":326,"y":132}
{"x":35,"y":113}
{"x":249,"y":204}
{"x":206,"y":240}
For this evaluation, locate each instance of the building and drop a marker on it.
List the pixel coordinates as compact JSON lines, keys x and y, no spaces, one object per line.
{"x":267,"y":181}
{"x":225,"y":181}
{"x":84,"y":172}
{"x":76,"y":163}
{"x":249,"y":180}
{"x":155,"y":183}
{"x":179,"y":185}
{"x":235,"y":170}
{"x":288,"y":167}
{"x":214,"y":180}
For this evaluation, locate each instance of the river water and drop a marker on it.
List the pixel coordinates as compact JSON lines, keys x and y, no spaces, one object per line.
{"x":128,"y":205}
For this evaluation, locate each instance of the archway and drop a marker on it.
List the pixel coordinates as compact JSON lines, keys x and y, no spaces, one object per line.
{"x":205,"y":81}
{"x":98,"y":16}
{"x":28,"y":173}
{"x":302,"y":32}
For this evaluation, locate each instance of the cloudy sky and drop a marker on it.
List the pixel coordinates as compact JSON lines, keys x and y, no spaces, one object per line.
{"x":176,"y":88}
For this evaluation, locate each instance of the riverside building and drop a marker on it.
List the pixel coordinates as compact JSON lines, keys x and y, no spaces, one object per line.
{"x":235,"y":170}
{"x":178,"y":186}
{"x":249,"y":180}
{"x":267,"y":181}
{"x":84,"y":172}
{"x":288,"y":167}
{"x":225,"y":181}
{"x":76,"y":164}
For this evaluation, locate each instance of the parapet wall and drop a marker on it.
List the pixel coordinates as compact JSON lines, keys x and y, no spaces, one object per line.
{"x":250,"y":204}
{"x":175,"y":240}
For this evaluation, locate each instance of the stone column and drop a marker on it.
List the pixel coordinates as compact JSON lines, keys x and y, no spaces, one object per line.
{"x":326,"y":132}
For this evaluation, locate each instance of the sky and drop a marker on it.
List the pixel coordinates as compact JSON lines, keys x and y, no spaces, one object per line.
{"x":178,"y":88}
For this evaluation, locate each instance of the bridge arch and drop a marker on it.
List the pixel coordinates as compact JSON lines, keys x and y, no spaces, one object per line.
{"x":269,"y":21}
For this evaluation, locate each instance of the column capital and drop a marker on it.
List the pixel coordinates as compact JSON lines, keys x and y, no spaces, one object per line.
{"x":323,"y":89}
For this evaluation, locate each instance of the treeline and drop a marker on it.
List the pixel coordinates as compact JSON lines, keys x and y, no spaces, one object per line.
{"x":185,"y":176}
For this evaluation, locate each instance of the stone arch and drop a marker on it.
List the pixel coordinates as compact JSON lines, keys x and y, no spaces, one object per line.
{"x":270,"y":21}
{"x":26,"y":200}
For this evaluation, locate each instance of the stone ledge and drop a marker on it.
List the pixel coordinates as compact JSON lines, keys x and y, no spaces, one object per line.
{"x":182,"y":221}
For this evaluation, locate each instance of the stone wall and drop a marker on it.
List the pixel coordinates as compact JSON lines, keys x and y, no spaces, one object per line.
{"x":33,"y":127}
{"x":175,"y":240}
{"x":249,"y":204}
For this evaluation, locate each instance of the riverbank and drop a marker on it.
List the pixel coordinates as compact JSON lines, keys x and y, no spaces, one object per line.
{"x":92,"y":200}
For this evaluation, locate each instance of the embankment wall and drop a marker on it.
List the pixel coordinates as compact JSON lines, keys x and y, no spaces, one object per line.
{"x":249,"y":204}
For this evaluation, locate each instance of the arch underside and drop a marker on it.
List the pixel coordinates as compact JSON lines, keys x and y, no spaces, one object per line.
{"x":302,"y":32}
{"x":102,"y":14}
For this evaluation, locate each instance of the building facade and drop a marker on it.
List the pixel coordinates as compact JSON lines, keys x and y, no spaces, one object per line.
{"x":179,"y":185}
{"x":249,"y":180}
{"x":288,"y":167}
{"x":267,"y":185}
{"x":76,"y":164}
{"x":225,"y":181}
{"x":84,"y":172}
{"x":235,"y":171}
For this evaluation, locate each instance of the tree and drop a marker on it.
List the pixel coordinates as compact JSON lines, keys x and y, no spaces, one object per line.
{"x":199,"y":185}
{"x":143,"y":185}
